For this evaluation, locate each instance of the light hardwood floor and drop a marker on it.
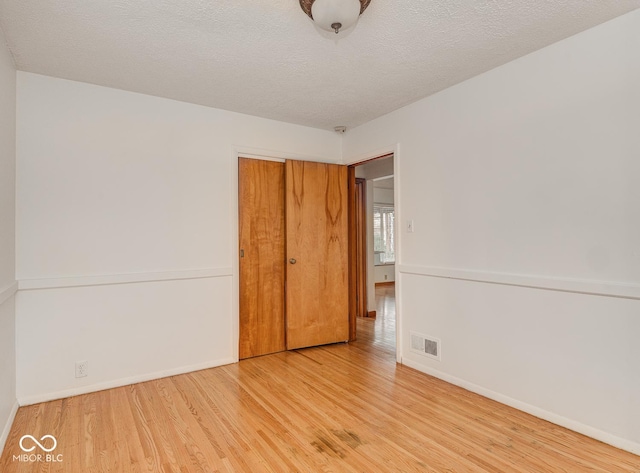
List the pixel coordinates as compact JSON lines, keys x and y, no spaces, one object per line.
{"x":337,"y":408}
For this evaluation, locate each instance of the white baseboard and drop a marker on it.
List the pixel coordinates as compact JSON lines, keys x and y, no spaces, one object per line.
{"x":28,"y":400}
{"x":587,"y":430}
{"x":7,"y":426}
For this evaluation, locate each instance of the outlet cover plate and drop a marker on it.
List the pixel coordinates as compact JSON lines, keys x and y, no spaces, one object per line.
{"x":82,"y":369}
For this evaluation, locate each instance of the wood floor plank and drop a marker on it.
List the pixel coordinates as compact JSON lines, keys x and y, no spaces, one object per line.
{"x":338,"y":408}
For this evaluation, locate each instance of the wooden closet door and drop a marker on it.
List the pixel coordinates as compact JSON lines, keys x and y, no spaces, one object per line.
{"x":262,"y":259}
{"x":317,"y":299}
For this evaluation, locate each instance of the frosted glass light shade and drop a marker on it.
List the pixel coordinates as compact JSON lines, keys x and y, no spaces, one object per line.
{"x":327,"y":14}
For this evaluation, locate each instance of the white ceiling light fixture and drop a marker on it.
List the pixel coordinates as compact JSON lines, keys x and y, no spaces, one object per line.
{"x":334,"y":15}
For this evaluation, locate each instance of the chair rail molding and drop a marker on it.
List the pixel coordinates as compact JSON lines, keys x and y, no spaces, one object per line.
{"x":8,"y":291}
{"x":581,"y":286}
{"x":109,"y":279}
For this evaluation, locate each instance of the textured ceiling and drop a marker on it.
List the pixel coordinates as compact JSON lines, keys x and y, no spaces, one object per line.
{"x":265,"y":58}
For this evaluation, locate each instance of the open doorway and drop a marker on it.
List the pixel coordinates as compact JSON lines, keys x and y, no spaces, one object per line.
{"x":373,"y":262}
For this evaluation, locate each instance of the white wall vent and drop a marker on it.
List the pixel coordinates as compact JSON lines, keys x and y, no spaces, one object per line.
{"x":426,"y":345}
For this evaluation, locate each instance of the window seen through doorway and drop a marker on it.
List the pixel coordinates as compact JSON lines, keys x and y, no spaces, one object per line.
{"x":383,"y":238}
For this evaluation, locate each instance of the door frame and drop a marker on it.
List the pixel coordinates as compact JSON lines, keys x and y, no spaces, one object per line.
{"x":281,"y":156}
{"x":358,"y":303}
{"x":234,"y":233}
{"x":363,"y":158}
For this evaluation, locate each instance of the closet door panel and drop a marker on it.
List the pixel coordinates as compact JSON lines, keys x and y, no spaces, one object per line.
{"x":262,"y":256}
{"x":317,"y":297}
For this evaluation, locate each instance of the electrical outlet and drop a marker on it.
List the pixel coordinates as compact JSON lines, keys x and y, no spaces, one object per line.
{"x":82,"y":369}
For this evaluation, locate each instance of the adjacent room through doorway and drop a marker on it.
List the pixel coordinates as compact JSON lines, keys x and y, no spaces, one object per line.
{"x":375,"y":243}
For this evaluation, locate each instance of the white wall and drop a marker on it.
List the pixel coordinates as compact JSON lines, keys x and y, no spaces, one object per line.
{"x":382,"y":196}
{"x":385,"y":273}
{"x":126,"y":230}
{"x":8,"y":405}
{"x":528,"y":175}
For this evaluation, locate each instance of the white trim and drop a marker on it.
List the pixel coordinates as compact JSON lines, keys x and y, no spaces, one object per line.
{"x":7,"y":426}
{"x":262,"y":158}
{"x":108,"y":279}
{"x":382,"y":151}
{"x":582,"y":286}
{"x":280,"y":156}
{"x":397,"y":232}
{"x":384,"y":178}
{"x":576,"y":426}
{"x":235,"y":241}
{"x":116,"y":383}
{"x":7,"y":292}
